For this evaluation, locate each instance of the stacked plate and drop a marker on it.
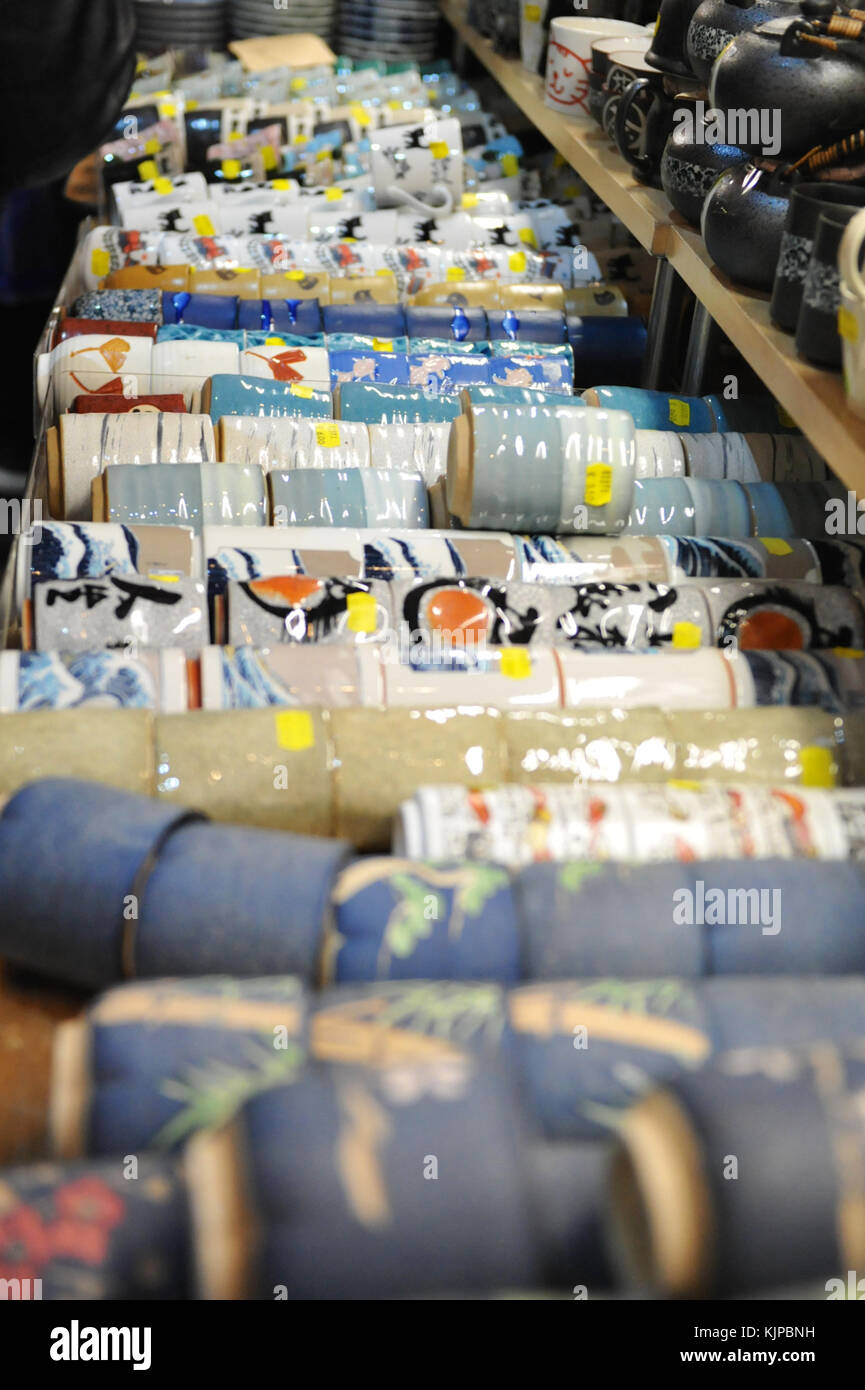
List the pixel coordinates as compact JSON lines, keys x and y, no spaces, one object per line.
{"x":179,"y":24}
{"x":389,"y":29}
{"x":252,"y":18}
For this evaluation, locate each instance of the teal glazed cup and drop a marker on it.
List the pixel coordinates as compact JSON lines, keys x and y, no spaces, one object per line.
{"x":380,"y":404}
{"x":508,"y":395}
{"x":662,"y":507}
{"x":655,"y":410}
{"x":357,"y":497}
{"x":567,"y":470}
{"x":186,"y":494}
{"x":769,"y":515}
{"x":247,"y":395}
{"x":721,"y":508}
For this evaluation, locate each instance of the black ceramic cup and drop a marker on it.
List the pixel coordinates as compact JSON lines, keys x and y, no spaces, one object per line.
{"x":817,"y":337}
{"x":807,"y":202}
{"x":644,"y":119}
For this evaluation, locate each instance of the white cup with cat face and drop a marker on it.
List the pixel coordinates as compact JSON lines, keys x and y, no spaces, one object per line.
{"x":569,"y":60}
{"x":420,"y":166}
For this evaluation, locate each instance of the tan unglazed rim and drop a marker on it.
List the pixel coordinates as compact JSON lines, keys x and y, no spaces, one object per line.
{"x":661,"y":1226}
{"x":70,"y":1089}
{"x":223,"y":1224}
{"x":460,"y":474}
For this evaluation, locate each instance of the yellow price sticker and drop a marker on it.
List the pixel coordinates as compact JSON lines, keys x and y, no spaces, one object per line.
{"x":152,"y":146}
{"x":294,"y":730}
{"x":682,"y":784}
{"x":168,"y":110}
{"x":360,"y":113}
{"x":362,"y":612}
{"x":382,"y":345}
{"x":819,"y":768}
{"x":274,"y":342}
{"x":166,"y":578}
{"x":327,"y":435}
{"x":527,"y":235}
{"x":515,"y":663}
{"x":599,"y":484}
{"x":848,"y":326}
{"x":203,"y":224}
{"x":680,"y":413}
{"x":235,"y":135}
{"x":531,"y":13}
{"x":304,"y":391}
{"x":148,"y":169}
{"x":470,"y":200}
{"x":687,"y":635}
{"x":333,"y":195}
{"x":295,"y":274}
{"x":100,"y":262}
{"x":232,"y":168}
{"x":282,"y":184}
{"x":268,"y":155}
{"x":517,"y":261}
{"x":852,"y":652}
{"x":298,"y":84}
{"x":455,"y":273}
{"x":439,"y":149}
{"x":775,"y":545}
{"x":191,"y":104}
{"x":510,"y":165}
{"x":163,"y":187}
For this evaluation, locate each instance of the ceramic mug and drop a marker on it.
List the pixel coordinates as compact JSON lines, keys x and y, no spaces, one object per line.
{"x":411,"y":163}
{"x":807,"y":202}
{"x":349,"y":497}
{"x":817,"y":335}
{"x":851,"y":314}
{"x":569,"y":58}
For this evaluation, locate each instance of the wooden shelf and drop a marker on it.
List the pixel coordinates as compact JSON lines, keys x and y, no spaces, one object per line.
{"x":813,"y":398}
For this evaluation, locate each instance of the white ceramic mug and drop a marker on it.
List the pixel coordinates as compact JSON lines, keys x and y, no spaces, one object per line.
{"x":851,"y":314}
{"x":420,"y":166}
{"x":569,"y":60}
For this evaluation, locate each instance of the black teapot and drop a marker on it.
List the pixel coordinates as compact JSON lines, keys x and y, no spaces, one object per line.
{"x":743,"y":223}
{"x":692,"y":161}
{"x":716,"y":22}
{"x":815,"y":94}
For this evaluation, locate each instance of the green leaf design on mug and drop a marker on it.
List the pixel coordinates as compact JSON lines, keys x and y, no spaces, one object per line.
{"x":212,"y":1093}
{"x":477,"y":885}
{"x":408,"y":922}
{"x":572,"y":876}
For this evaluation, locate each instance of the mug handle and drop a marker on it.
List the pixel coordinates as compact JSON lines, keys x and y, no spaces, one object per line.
{"x":848,"y":256}
{"x":626,"y":101}
{"x":439,"y":190}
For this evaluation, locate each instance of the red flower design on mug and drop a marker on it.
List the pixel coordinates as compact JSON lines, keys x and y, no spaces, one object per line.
{"x":25,"y":1244}
{"x":92,"y":1200}
{"x":88,"y":1210}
